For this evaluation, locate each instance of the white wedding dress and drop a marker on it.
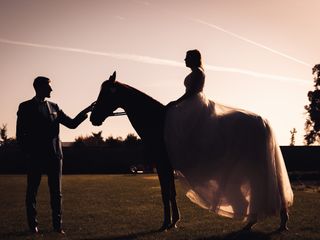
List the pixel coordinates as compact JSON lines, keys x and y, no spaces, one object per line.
{"x":227,"y":159}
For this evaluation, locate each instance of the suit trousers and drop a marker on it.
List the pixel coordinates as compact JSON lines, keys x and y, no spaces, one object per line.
{"x":53,"y":168}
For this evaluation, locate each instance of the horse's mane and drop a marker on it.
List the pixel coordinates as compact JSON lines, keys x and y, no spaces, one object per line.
{"x":139,"y":95}
{"x":146,"y":114}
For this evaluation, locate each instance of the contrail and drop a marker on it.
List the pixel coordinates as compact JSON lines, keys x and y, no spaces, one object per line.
{"x":251,"y":42}
{"x":257,"y":74}
{"x":238,"y":36}
{"x":153,"y":60}
{"x":131,"y":57}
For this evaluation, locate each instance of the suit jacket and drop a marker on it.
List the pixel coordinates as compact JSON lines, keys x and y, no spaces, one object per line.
{"x":38,"y":133}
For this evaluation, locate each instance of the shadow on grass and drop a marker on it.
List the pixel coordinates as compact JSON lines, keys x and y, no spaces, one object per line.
{"x":237,"y":235}
{"x":241,"y":235}
{"x":127,"y":236}
{"x":27,"y":235}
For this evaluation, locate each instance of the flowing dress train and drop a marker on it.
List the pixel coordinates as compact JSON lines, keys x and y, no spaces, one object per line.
{"x":227,"y":159}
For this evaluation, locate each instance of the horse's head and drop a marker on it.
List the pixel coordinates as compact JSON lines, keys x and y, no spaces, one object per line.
{"x":106,"y":102}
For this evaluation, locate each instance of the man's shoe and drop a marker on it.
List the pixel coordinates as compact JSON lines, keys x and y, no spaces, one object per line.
{"x":60,"y":231}
{"x":34,"y":230}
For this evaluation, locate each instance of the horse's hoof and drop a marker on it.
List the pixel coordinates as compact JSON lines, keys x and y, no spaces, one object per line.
{"x":249,"y":226}
{"x":165,"y":227}
{"x":246,"y":229}
{"x":174,"y":223}
{"x":281,"y":229}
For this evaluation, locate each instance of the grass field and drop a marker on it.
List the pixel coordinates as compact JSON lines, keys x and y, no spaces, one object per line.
{"x":102,"y":207}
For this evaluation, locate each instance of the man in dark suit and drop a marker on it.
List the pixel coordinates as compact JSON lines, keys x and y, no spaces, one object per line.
{"x":38,"y":135}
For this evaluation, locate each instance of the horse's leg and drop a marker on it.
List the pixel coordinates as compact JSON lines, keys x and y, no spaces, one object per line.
{"x":168,"y":191}
{"x":171,"y":210}
{"x":155,"y":149}
{"x":284,"y":217}
{"x":165,"y":193}
{"x":174,"y":207}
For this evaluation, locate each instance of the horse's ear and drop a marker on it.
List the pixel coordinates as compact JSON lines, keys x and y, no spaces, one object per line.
{"x":112,"y":78}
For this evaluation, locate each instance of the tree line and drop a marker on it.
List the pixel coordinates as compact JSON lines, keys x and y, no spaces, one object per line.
{"x":95,"y":139}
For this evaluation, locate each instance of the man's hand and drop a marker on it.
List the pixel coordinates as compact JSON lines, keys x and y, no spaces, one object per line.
{"x":88,"y":109}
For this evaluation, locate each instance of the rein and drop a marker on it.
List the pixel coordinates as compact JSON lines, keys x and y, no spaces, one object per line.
{"x":114,"y":114}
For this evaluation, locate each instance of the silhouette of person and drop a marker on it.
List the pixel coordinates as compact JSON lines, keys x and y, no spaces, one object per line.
{"x":227,"y":159}
{"x":38,"y":136}
{"x":194,"y":82}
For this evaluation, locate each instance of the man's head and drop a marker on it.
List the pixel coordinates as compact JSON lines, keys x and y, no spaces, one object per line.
{"x":42,"y":87}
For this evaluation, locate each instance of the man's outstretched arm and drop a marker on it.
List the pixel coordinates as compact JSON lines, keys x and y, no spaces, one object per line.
{"x":75,"y":122}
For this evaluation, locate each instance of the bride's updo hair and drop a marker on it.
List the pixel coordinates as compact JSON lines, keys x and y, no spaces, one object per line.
{"x":195,"y":58}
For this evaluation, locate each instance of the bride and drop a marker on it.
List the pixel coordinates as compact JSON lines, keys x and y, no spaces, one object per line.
{"x":226,"y":158}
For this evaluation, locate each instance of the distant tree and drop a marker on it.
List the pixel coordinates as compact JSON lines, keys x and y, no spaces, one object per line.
{"x":95,"y":139}
{"x":293,"y":139}
{"x":79,"y":141}
{"x":4,"y":139}
{"x":114,"y":142}
{"x":131,"y":140}
{"x":3,"y":134}
{"x":312,"y":124}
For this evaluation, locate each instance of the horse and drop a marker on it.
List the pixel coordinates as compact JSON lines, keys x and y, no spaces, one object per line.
{"x":147,"y":117}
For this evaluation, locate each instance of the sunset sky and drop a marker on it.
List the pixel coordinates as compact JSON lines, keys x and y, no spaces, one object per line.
{"x":258,"y":55}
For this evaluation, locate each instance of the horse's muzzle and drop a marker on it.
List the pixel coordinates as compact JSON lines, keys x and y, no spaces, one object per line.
{"x":96,"y":123}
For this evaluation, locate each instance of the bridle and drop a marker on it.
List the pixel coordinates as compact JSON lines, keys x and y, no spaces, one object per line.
{"x":115,"y":114}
